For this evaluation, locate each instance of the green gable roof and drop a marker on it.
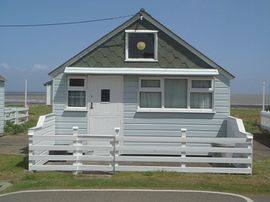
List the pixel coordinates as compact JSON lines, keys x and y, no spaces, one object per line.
{"x":109,"y":51}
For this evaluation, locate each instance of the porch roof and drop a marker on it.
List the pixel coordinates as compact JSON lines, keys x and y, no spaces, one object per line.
{"x":141,"y":71}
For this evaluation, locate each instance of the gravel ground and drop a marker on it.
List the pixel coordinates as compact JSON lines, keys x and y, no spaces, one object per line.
{"x":14,"y":144}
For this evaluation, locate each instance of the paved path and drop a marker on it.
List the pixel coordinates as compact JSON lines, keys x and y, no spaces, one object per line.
{"x":121,"y":196}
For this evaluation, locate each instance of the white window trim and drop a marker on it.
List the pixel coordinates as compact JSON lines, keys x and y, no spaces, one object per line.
{"x":155,"y":59}
{"x":189,"y":91}
{"x":203,"y":90}
{"x":76,"y":88}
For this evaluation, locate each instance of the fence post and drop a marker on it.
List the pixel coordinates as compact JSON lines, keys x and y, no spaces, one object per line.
{"x":31,"y":152}
{"x":27,"y":115}
{"x":77,"y":151}
{"x":183,"y":145}
{"x":115,"y":152}
{"x":250,"y":146}
{"x":16,"y":117}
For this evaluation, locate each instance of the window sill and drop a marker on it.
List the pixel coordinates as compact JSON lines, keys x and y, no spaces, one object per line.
{"x":76,"y":109}
{"x":196,"y":111}
{"x":140,"y":60}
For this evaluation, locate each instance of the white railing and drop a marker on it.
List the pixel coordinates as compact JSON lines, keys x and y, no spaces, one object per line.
{"x":265,"y":120}
{"x":109,"y":153}
{"x":236,"y":129}
{"x":17,"y":115}
{"x":45,"y":127}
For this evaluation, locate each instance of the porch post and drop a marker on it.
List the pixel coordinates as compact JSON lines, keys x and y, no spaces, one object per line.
{"x":183,"y":145}
{"x":76,"y":152}
{"x":115,"y":152}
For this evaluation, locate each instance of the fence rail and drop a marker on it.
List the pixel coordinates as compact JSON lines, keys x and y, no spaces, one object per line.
{"x":265,"y":120}
{"x":16,"y":115}
{"x":108,"y":153}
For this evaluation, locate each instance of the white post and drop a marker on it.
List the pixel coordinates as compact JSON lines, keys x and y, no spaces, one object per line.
{"x":16,"y":116}
{"x":31,"y":152}
{"x":250,"y":146}
{"x":115,"y":152}
{"x":263,"y":101}
{"x":25,"y":94}
{"x":183,"y":153}
{"x":76,"y":153}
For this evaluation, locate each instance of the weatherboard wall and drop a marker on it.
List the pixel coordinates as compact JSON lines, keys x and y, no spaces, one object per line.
{"x":2,"y":106}
{"x":65,"y":120}
{"x":148,"y":124}
{"x":154,"y":124}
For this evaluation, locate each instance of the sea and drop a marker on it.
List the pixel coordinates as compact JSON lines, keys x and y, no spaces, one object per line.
{"x":17,"y":98}
{"x":237,"y":100}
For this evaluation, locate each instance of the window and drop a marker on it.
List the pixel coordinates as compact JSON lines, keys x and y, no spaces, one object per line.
{"x":76,"y":92}
{"x":76,"y":82}
{"x":150,"y":94}
{"x":141,"y":45}
{"x":176,"y":93}
{"x":201,"y":94}
{"x":105,"y":95}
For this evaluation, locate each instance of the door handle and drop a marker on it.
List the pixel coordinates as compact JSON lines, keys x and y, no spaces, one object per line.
{"x":91,"y":105}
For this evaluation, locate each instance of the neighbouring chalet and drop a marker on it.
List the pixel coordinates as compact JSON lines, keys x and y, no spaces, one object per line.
{"x":164,"y":100}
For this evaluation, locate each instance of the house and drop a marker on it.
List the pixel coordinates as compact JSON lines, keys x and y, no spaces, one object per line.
{"x":156,"y":92}
{"x":2,"y":104}
{"x":49,"y":91}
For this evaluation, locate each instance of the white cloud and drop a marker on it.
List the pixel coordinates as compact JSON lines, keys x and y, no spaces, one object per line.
{"x":40,"y":67}
{"x":4,"y":65}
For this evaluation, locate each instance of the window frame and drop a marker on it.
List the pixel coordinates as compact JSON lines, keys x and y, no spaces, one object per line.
{"x":76,"y":88}
{"x":155,"y":59}
{"x":202,"y":90}
{"x":105,"y":102}
{"x":189,"y":91}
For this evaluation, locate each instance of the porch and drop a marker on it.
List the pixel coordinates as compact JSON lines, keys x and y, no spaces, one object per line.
{"x":108,"y":153}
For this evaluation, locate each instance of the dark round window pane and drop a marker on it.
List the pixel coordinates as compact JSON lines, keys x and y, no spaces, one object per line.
{"x":148,"y":51}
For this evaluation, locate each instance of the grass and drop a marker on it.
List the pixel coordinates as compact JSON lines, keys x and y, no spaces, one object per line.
{"x":13,"y":169}
{"x":250,"y":117}
{"x":34,"y":112}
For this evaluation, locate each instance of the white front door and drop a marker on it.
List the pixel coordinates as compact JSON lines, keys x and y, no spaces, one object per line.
{"x":105,"y":104}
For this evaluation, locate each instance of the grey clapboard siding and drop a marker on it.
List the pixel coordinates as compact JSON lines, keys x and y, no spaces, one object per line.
{"x":2,"y":106}
{"x":65,"y":120}
{"x":169,"y":124}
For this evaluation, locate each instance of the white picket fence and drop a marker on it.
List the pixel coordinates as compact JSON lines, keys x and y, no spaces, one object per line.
{"x":265,"y":120}
{"x":108,"y":153}
{"x":17,"y":115}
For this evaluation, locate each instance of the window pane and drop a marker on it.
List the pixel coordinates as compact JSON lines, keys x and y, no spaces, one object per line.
{"x":201,"y":100}
{"x":105,"y":95}
{"x":201,"y":84}
{"x":76,"y":98}
{"x":150,"y":100}
{"x":144,"y":51}
{"x":150,"y":83}
{"x":175,"y":93}
{"x":76,"y":82}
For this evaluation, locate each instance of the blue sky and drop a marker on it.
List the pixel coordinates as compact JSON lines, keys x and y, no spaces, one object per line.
{"x":235,"y":34}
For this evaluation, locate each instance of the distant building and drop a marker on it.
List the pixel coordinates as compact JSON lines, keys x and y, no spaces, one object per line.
{"x":2,"y":103}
